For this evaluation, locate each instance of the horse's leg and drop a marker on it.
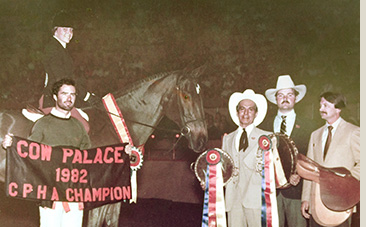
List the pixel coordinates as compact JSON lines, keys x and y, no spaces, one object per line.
{"x":11,"y":122}
{"x":107,"y":214}
{"x":2,"y":169}
{"x":7,"y":123}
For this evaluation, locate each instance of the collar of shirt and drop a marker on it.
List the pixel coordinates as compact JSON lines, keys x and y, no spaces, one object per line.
{"x":290,"y":122}
{"x":59,"y":114}
{"x":62,"y":43}
{"x":325,"y":132}
{"x":335,"y":124}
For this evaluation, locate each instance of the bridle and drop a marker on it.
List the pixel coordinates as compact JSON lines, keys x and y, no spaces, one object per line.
{"x":185,"y":130}
{"x":186,"y":120}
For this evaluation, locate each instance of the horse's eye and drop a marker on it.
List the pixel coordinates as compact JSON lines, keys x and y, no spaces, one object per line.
{"x":186,"y":97}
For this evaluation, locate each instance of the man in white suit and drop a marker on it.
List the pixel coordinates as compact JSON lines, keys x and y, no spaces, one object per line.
{"x":243,"y":192}
{"x":342,"y":151}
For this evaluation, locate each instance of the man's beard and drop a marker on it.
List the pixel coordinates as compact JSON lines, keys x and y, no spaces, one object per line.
{"x":66,"y":107}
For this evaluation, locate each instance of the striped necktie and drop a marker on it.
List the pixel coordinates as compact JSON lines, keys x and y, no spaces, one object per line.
{"x":283,"y":125}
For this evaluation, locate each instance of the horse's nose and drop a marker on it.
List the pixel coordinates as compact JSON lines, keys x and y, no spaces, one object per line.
{"x":201,"y":143}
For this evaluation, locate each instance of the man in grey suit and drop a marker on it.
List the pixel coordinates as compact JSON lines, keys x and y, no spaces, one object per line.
{"x":336,"y":144}
{"x":243,"y":192}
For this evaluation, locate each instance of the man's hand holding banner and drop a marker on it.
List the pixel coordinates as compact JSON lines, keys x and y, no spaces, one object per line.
{"x":95,"y":176}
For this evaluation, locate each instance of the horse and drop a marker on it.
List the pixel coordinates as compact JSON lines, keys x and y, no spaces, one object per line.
{"x":175,"y":95}
{"x":143,"y":104}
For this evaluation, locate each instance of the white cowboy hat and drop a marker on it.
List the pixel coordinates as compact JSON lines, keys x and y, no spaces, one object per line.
{"x":258,"y":99}
{"x":284,"y":82}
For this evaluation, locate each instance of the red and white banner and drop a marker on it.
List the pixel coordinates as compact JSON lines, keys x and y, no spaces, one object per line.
{"x":120,"y":126}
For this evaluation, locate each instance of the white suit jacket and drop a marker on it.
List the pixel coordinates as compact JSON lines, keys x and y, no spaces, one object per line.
{"x":246,"y":186}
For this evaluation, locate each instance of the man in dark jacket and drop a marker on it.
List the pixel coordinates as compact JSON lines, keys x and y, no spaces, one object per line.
{"x":298,"y":128}
{"x":59,"y":64}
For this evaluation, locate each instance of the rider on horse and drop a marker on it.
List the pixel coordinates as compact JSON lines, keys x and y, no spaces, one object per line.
{"x":58,"y":64}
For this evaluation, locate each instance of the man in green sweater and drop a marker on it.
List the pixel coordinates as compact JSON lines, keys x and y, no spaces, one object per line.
{"x":59,"y":129}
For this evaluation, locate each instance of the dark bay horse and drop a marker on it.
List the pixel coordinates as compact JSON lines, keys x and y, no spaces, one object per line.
{"x":143,"y":104}
{"x":175,"y":95}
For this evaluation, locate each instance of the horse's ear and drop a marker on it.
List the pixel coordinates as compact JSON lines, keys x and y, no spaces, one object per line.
{"x":198,"y":71}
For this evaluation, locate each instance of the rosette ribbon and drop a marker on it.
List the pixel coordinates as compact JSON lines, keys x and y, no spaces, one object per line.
{"x":214,"y":204}
{"x":269,"y":213}
{"x":119,"y":124}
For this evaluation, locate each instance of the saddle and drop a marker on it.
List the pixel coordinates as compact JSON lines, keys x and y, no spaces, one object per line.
{"x":32,"y":113}
{"x":339,"y":190}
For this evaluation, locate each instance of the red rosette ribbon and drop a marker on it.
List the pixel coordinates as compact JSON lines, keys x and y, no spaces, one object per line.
{"x":136,"y":158}
{"x":265,"y":143}
{"x":213,"y":157}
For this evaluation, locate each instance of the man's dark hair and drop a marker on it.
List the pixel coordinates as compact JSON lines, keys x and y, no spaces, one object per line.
{"x":295,"y":91}
{"x":337,"y":99}
{"x":58,"y":84}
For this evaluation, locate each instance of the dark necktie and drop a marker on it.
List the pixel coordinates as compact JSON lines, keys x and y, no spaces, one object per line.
{"x":329,"y":139}
{"x":243,"y":142}
{"x":283,"y":125}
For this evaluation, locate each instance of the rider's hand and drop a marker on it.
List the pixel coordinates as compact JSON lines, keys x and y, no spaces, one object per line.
{"x":93,"y":99}
{"x":128,"y":149}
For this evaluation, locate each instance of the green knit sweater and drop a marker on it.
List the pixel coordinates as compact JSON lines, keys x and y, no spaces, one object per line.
{"x":55,"y":131}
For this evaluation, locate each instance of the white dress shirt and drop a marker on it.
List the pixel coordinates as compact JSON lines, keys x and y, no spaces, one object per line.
{"x":248,"y":129}
{"x":325,"y":133}
{"x":290,"y":122}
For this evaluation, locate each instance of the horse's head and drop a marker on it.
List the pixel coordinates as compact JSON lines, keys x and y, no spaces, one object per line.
{"x":192,"y":117}
{"x":175,"y":95}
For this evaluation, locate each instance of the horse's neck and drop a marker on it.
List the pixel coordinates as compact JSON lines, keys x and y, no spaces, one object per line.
{"x":144,"y":105}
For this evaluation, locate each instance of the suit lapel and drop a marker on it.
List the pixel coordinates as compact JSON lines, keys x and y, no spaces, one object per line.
{"x":317,"y":146}
{"x":296,"y":131}
{"x":251,"y":151}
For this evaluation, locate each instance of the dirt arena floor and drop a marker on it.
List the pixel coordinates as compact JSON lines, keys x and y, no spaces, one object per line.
{"x":147,"y":212}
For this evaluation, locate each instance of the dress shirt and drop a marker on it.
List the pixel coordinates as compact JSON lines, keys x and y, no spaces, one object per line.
{"x":290,"y":122}
{"x":325,"y":133}
{"x":61,"y":42}
{"x":248,"y":129}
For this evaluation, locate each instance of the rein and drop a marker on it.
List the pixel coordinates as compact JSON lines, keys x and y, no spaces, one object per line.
{"x":138,"y":122}
{"x":184,"y":131}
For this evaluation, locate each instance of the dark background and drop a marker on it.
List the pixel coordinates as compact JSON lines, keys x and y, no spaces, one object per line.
{"x":243,"y":44}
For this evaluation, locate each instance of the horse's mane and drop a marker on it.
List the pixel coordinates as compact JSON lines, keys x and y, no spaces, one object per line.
{"x":137,"y":84}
